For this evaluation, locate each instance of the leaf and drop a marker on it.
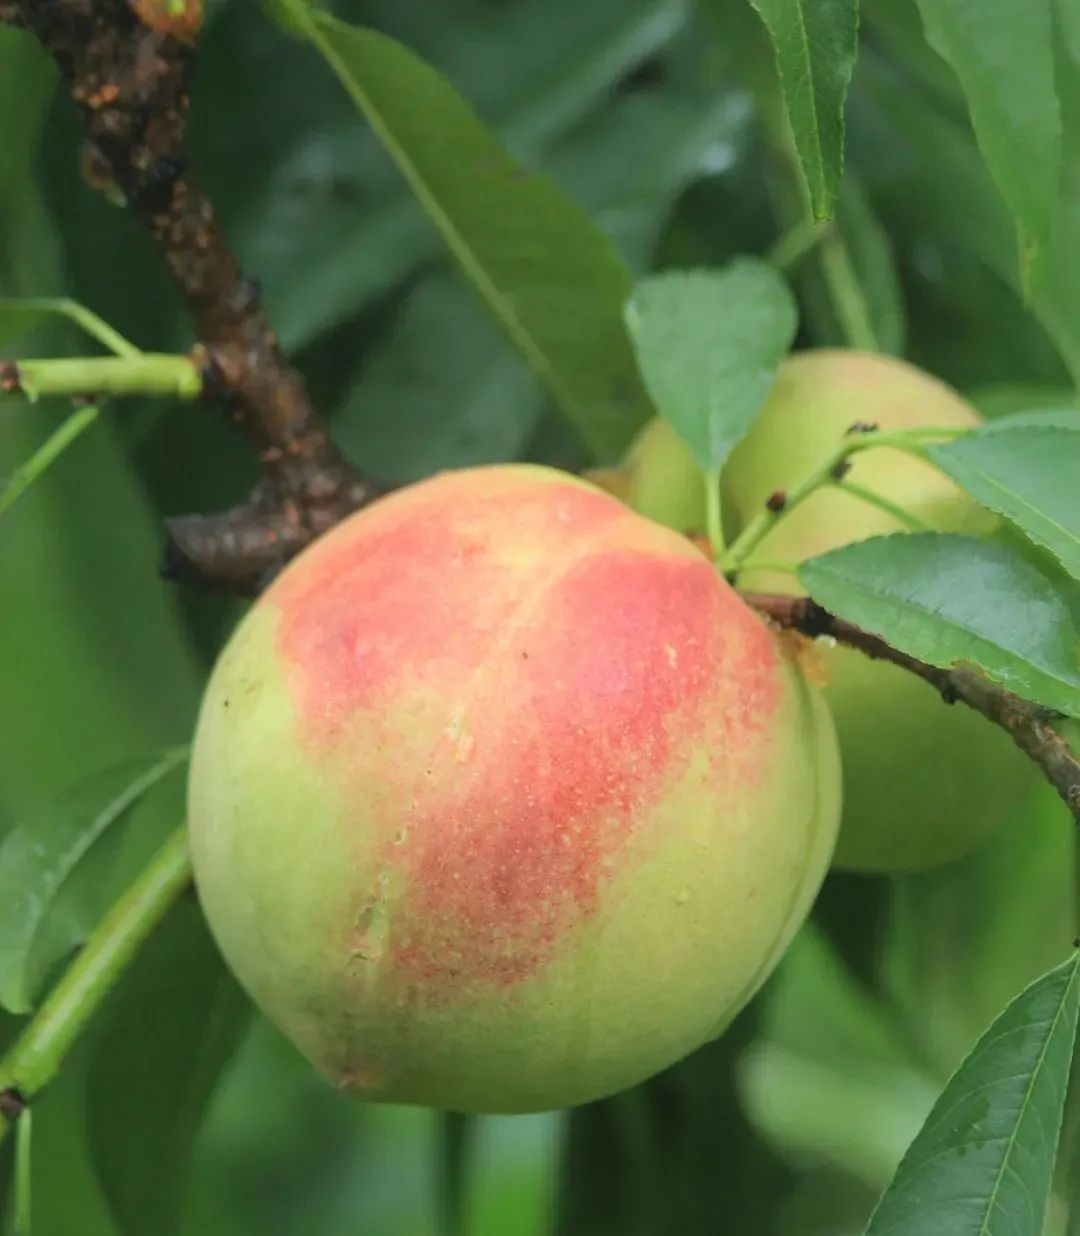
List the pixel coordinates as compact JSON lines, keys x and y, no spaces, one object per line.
{"x":1003,"y":54}
{"x":962,"y":939}
{"x":456,"y":1135}
{"x":169,"y":1030}
{"x":709,"y":344}
{"x":673,"y":1154}
{"x":459,"y":398}
{"x":20,"y":314}
{"x":38,"y":856}
{"x":553,"y":281}
{"x":1029,"y":475}
{"x":983,"y":1162}
{"x":815,"y":43}
{"x":949,"y":599}
{"x":1045,"y":418}
{"x":874,"y":265}
{"x":332,"y":227}
{"x":67,"y":432}
{"x":831,"y":1079}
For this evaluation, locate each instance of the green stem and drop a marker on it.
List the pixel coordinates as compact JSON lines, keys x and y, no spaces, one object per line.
{"x":37,"y":1054}
{"x":797,"y":242}
{"x":109,"y":376}
{"x":714,"y":519}
{"x":912,"y":522}
{"x":55,"y":444}
{"x":847,"y":295}
{"x":911,"y":441}
{"x":23,"y":1138}
{"x":97,"y":328}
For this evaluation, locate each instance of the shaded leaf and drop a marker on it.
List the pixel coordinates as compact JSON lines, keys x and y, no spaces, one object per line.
{"x":1028,"y":473}
{"x":709,"y":344}
{"x":1003,"y":55}
{"x":1044,"y":418}
{"x":983,"y":1162}
{"x":334,"y":227}
{"x":67,"y":432}
{"x":831,"y":1079}
{"x":949,"y":599}
{"x":458,"y":399}
{"x":874,"y":265}
{"x":40,"y":854}
{"x":815,"y":43}
{"x":672,"y":1154}
{"x":553,"y":281}
{"x":170,"y":1028}
{"x":962,"y":939}
{"x":20,"y":314}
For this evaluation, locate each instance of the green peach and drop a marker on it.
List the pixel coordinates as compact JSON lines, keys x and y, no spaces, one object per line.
{"x":923,"y":783}
{"x":501,"y":799}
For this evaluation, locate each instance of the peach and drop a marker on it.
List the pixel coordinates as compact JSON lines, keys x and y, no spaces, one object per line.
{"x":923,"y":783}
{"x":501,"y":798}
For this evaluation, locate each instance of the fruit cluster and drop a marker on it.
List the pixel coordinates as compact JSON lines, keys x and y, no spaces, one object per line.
{"x":502,"y":799}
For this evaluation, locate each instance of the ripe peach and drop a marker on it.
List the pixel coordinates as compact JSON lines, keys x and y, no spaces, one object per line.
{"x":501,"y":799}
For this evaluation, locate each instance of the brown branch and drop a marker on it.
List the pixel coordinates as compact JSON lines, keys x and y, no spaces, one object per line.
{"x":126,"y":63}
{"x":1030,"y":726}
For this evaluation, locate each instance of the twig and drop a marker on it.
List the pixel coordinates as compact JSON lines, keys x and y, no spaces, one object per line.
{"x":36,"y":1057}
{"x":1029,"y":726}
{"x":832,"y":470}
{"x":126,"y":66}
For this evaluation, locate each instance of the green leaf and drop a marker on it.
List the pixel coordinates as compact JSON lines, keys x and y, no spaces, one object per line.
{"x":831,"y":1079}
{"x":39,"y":855}
{"x":552,"y":280}
{"x":1039,"y":418}
{"x":948,"y":600}
{"x":1003,"y":54}
{"x":459,"y":398}
{"x":709,"y":344}
{"x":983,"y":1162}
{"x":672,"y":1154}
{"x":1029,"y":475}
{"x":169,"y":1030}
{"x":333,"y":227}
{"x":67,"y":432}
{"x":20,"y":314}
{"x":815,"y":43}
{"x":962,"y":939}
{"x":456,"y":1134}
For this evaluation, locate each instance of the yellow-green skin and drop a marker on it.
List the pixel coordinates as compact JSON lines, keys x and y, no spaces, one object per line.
{"x":502,"y":800}
{"x":923,"y":783}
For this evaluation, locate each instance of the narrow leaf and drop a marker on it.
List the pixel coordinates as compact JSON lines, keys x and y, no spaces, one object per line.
{"x":815,"y":43}
{"x":1029,"y":475}
{"x":40,"y":854}
{"x":709,"y":344}
{"x":982,"y":1163}
{"x":553,"y":281}
{"x":170,"y":1029}
{"x":19,"y":314}
{"x":13,"y":486}
{"x":950,"y":599}
{"x":1003,"y":54}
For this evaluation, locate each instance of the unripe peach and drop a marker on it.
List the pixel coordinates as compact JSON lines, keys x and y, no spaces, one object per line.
{"x":923,"y":783}
{"x":501,"y":799}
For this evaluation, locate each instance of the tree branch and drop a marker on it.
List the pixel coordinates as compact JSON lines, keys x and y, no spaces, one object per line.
{"x":1029,"y":726}
{"x":126,"y":65}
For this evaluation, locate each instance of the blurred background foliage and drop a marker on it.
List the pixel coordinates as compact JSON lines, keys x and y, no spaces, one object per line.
{"x":184,"y":1112}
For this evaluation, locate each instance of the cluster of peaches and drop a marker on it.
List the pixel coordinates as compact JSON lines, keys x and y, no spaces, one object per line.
{"x":503,"y":798}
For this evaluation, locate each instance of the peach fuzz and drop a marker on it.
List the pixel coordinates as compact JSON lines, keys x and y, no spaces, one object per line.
{"x":501,"y":798}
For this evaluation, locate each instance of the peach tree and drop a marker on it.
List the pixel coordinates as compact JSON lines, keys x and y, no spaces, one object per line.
{"x":539,"y":622}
